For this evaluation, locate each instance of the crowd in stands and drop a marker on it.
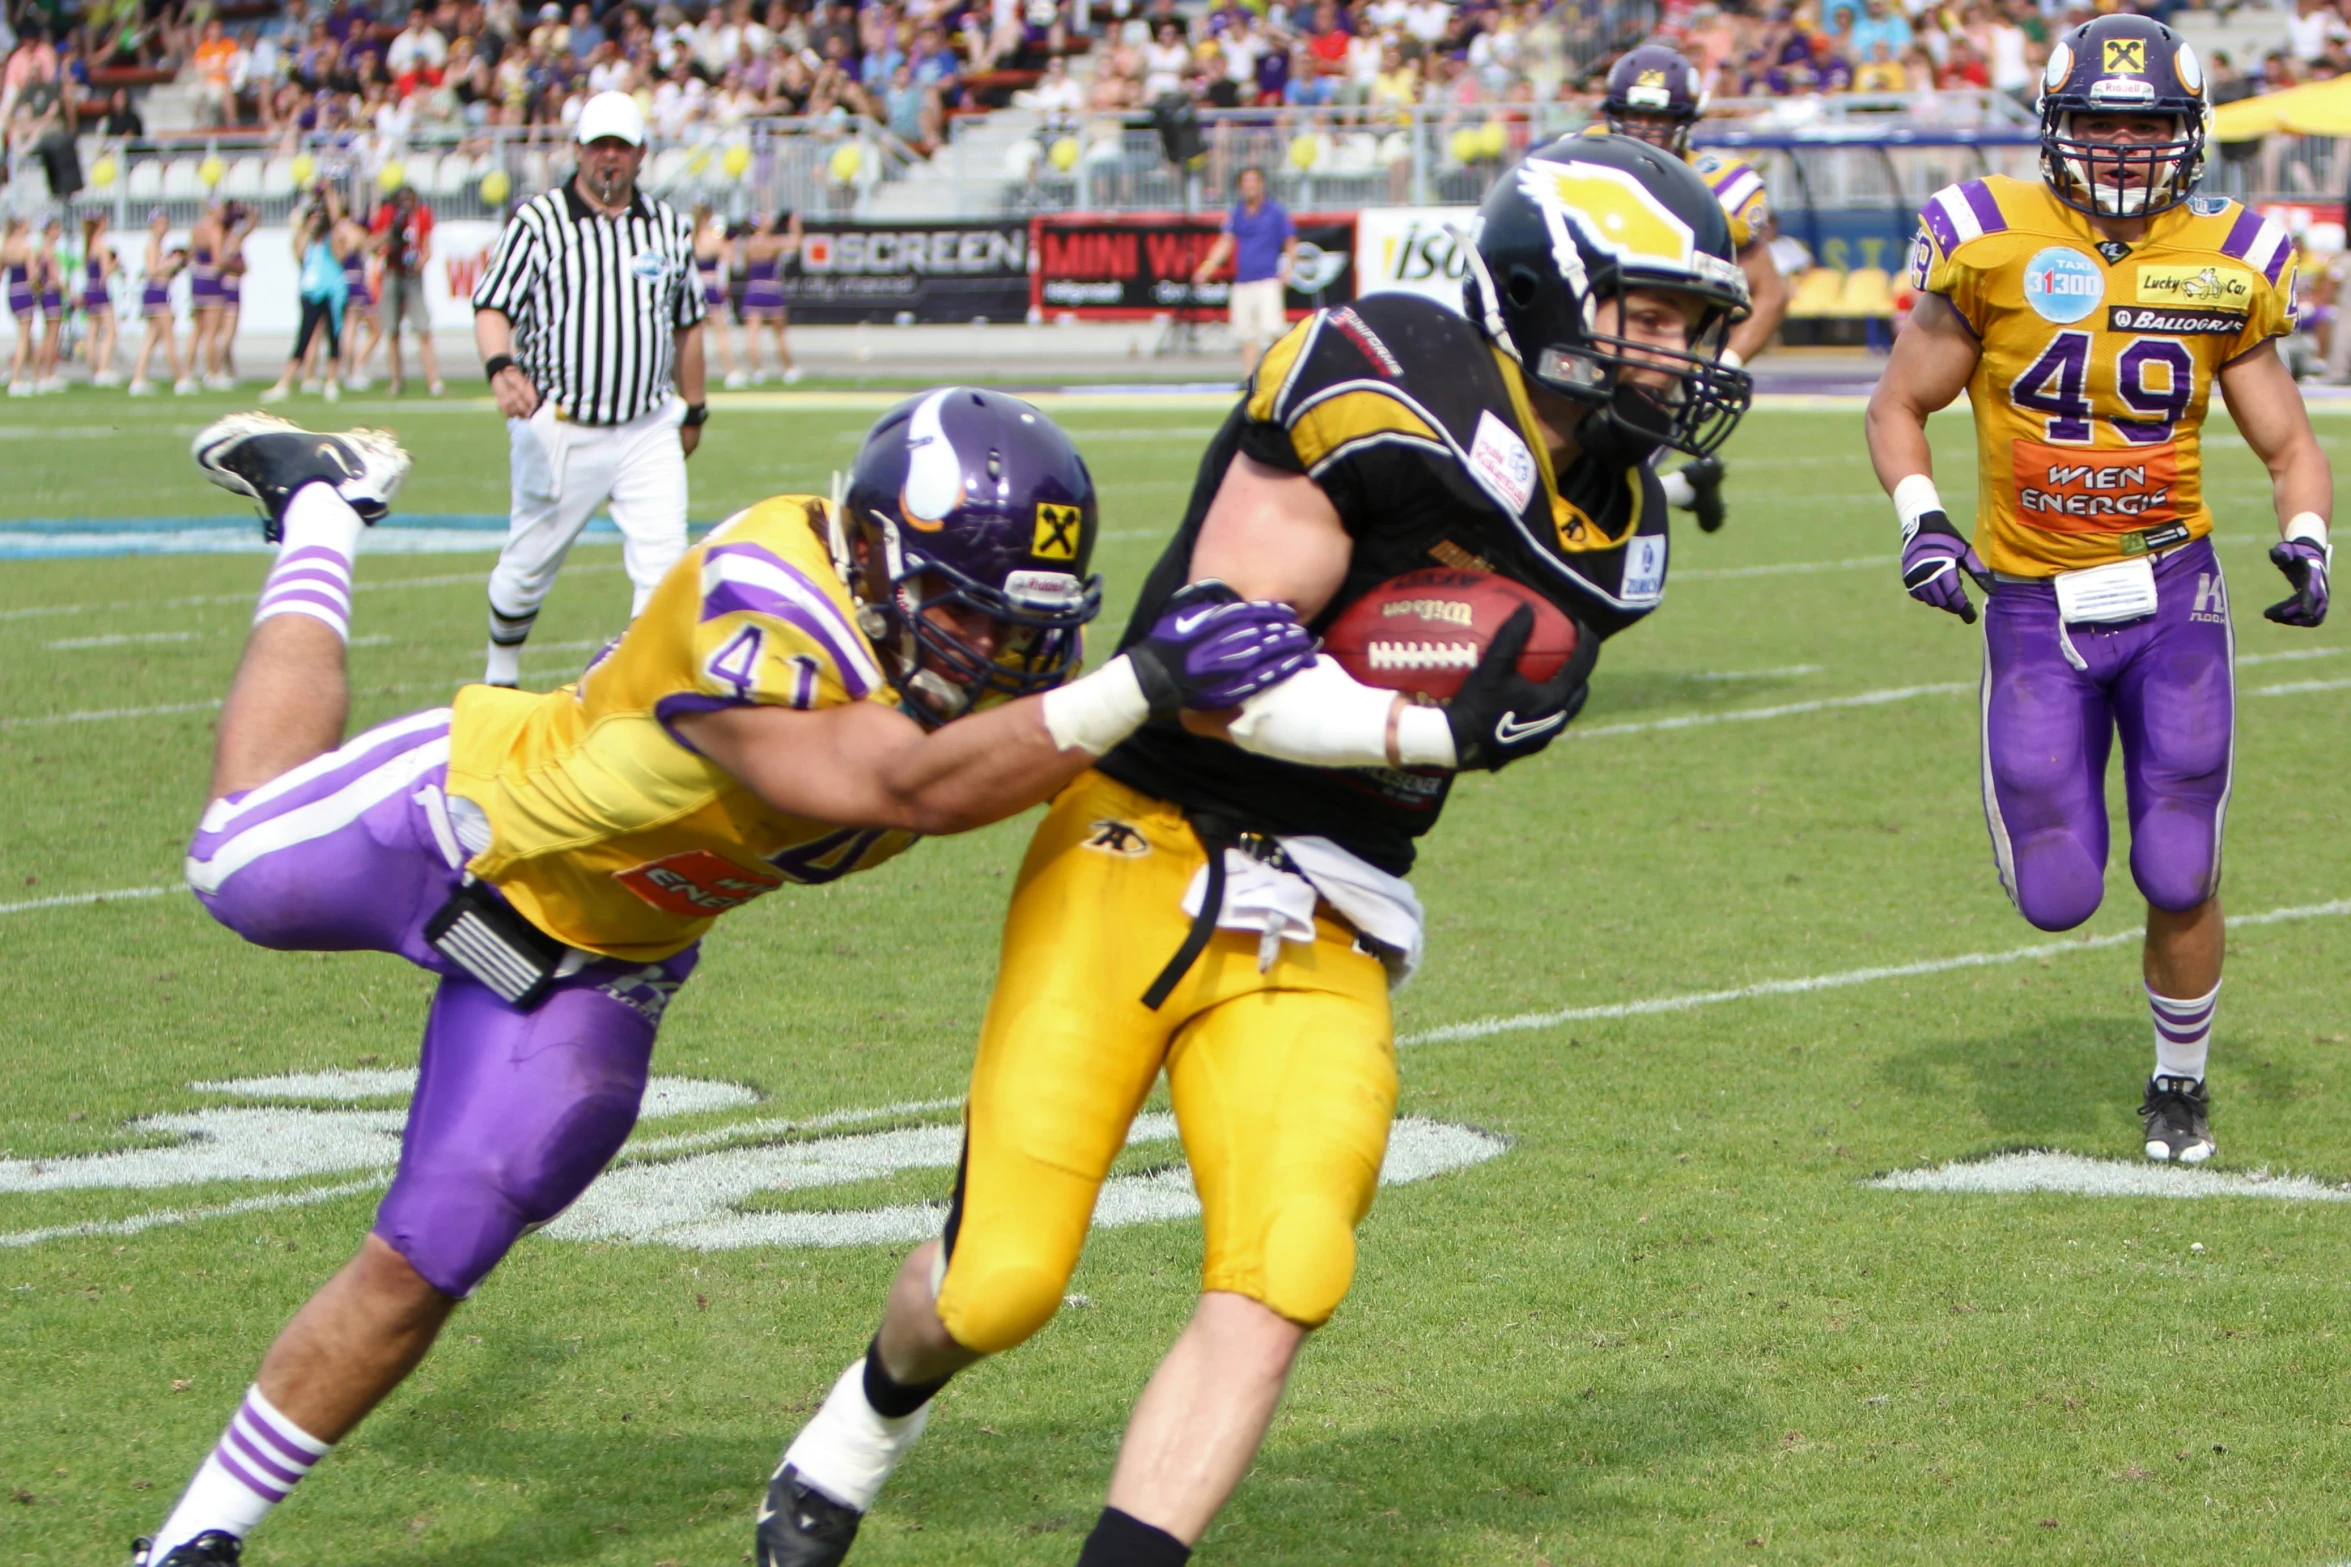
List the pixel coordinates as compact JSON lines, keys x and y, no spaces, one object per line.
{"x":449,"y":65}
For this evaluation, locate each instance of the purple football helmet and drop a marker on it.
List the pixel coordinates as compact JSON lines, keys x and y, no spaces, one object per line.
{"x":974,"y":511}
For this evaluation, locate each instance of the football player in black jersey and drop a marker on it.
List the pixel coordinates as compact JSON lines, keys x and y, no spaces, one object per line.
{"x":1234,"y":913}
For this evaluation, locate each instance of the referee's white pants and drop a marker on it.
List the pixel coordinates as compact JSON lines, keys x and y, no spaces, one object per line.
{"x":562,"y":472}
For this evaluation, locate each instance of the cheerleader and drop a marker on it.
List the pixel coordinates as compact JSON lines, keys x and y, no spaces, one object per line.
{"x":99,"y":266}
{"x":766,"y":252}
{"x":16,"y":274}
{"x":163,"y":263}
{"x":713,"y":256}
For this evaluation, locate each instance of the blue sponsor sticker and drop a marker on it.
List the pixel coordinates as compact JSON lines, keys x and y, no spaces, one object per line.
{"x":2208,"y":206}
{"x":2063,"y":285}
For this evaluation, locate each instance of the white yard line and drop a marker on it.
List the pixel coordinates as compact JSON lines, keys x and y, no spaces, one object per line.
{"x":1738,"y":715}
{"x":77,"y":899}
{"x":1793,"y":568}
{"x":1483,"y":1028}
{"x":118,"y":639}
{"x":2045,"y":1170}
{"x":160,"y":1216}
{"x":101,"y":714}
{"x":2297,"y":687}
{"x":394,"y":584}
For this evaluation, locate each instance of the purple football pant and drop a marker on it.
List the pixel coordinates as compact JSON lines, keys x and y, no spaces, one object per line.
{"x":2165,"y":682}
{"x":515,"y":1112}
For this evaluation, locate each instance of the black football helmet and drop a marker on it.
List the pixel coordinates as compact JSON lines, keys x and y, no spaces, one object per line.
{"x":1578,"y":224}
{"x":1661,"y":89}
{"x":2123,"y":64}
{"x":969,"y":500}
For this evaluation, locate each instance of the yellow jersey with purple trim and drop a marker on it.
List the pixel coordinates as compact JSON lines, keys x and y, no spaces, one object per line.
{"x":1740,"y":190}
{"x":2097,"y":362}
{"x":607,"y":830}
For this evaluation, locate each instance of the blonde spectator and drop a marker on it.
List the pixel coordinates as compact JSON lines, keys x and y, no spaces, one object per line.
{"x":1881,"y":72}
{"x":1397,"y":86}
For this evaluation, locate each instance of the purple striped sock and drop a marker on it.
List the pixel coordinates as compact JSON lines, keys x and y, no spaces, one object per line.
{"x":312,"y":575}
{"x":2183,"y":1033}
{"x":259,"y":1459}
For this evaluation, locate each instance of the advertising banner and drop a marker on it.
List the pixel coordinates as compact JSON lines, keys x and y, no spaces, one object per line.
{"x":1415,"y":249}
{"x":1122,"y":268}
{"x":853,"y":272}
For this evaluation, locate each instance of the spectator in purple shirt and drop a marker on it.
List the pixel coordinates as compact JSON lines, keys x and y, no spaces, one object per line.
{"x":1260,"y":241}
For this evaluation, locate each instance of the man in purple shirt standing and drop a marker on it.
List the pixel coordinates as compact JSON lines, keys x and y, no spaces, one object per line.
{"x":1260,"y":241}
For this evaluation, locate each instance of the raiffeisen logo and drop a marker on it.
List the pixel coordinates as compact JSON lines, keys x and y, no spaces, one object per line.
{"x":2063,"y":285}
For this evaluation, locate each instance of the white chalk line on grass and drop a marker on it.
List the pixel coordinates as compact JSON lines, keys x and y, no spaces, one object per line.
{"x":1784,"y":710}
{"x":1483,"y":1028}
{"x":449,"y":580}
{"x":161,"y":1216}
{"x":2076,"y":1175}
{"x":72,"y":900}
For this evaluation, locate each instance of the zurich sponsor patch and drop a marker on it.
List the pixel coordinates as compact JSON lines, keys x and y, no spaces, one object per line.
{"x":649,"y":266}
{"x":1503,"y":463}
{"x":2063,"y":285}
{"x":1644,"y":569}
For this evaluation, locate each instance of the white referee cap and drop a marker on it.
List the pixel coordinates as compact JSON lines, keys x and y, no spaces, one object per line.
{"x":612,"y":114}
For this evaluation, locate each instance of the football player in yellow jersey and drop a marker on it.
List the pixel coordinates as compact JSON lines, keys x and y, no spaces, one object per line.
{"x":1653,"y":96}
{"x":2089,"y":318}
{"x":805,"y":692}
{"x":1233,"y":914}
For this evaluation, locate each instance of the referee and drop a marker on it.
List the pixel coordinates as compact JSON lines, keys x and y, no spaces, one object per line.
{"x":589,"y":323}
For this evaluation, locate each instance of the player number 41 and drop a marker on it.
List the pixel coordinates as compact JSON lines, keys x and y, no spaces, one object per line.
{"x":2057,"y":384}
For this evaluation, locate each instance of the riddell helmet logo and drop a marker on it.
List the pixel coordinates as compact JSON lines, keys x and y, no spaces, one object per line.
{"x":2063,"y":285}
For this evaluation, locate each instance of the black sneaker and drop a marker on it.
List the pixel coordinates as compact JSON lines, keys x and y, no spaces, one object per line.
{"x":2178,"y":1114}
{"x":212,"y":1548}
{"x":266,"y":459}
{"x":1705,"y":476}
{"x":800,"y":1526}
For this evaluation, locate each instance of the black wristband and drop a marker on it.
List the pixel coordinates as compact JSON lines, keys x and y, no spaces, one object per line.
{"x":696,"y":413}
{"x":495,"y":363}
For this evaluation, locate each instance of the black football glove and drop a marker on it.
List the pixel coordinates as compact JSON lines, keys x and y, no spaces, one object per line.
{"x":1499,"y":715}
{"x":1705,"y":476}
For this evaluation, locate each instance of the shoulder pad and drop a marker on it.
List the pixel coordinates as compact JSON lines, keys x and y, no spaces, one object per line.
{"x":1959,"y":213}
{"x":2261,"y":243}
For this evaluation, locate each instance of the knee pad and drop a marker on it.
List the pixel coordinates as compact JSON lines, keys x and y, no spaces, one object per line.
{"x":1309,"y":1261}
{"x":2059,"y":881}
{"x":992,"y":1309}
{"x":2175,"y":857}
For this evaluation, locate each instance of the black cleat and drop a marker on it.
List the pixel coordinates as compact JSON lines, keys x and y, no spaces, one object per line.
{"x":1705,"y":476}
{"x":212,"y":1548}
{"x":800,"y":1526}
{"x":2177,"y":1112}
{"x":265,"y":459}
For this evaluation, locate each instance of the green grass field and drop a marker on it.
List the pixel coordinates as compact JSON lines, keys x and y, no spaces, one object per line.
{"x":1670,"y":1323}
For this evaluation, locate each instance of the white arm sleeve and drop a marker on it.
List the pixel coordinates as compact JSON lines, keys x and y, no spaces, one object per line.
{"x":1322,"y":717}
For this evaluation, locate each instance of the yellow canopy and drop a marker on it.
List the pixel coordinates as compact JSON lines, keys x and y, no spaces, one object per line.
{"x":2313,"y":109}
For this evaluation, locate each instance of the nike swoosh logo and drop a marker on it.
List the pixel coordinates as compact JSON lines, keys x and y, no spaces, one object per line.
{"x":1509,"y":731}
{"x":1186,"y":624}
{"x":765,"y":1513}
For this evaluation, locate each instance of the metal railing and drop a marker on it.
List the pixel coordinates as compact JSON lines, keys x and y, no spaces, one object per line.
{"x":817,"y":168}
{"x":1851,"y":150}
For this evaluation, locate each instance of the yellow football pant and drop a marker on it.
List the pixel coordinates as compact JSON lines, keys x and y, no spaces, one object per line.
{"x":1284,"y":1082}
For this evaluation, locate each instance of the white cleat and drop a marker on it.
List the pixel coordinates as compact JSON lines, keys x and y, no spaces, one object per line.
{"x":737,"y":380}
{"x":142,"y":388}
{"x":183,"y":388}
{"x":793,"y":375}
{"x":106,"y":378}
{"x":273,"y":394}
{"x":333,"y":393}
{"x":357,"y":383}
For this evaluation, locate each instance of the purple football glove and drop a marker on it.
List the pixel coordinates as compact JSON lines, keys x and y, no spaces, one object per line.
{"x":1212,"y":649}
{"x":1933,"y":556}
{"x":2304,"y":561}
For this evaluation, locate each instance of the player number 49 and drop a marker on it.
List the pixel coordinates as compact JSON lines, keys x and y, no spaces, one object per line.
{"x":2057,"y":384}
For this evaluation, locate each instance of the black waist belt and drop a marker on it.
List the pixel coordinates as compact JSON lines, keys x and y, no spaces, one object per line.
{"x":1217,"y":832}
{"x":482,"y":934}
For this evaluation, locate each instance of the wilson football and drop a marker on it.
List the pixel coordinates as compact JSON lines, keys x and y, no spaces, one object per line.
{"x":1422,"y":633}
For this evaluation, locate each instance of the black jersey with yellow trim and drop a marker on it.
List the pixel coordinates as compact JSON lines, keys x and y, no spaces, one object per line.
{"x":1423,"y":439}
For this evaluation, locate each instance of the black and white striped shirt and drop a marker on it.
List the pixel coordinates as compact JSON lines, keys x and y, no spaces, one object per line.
{"x":596,"y":302}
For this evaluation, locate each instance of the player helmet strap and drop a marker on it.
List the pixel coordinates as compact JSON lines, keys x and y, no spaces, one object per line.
{"x":2123,"y":64}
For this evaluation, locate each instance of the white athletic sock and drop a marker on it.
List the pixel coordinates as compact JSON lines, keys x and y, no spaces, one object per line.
{"x":312,"y":575}
{"x":848,"y":1450}
{"x":260,"y":1457}
{"x":2183,"y":1033}
{"x":504,"y":665}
